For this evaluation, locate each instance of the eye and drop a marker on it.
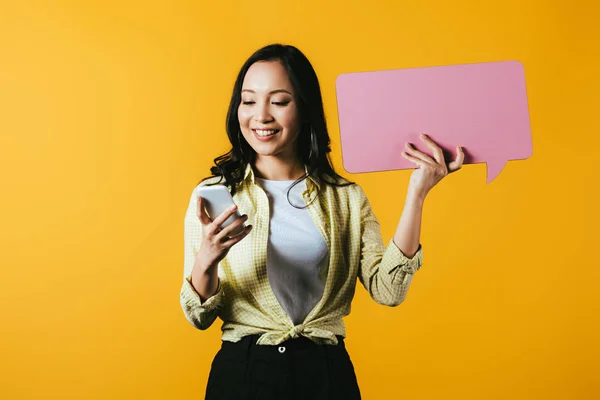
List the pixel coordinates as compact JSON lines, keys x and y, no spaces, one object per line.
{"x":281,"y":103}
{"x":247,"y":102}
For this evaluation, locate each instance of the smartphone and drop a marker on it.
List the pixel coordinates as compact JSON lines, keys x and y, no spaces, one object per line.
{"x":217,"y":200}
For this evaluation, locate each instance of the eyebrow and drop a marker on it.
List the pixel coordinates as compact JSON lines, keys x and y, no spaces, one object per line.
{"x":271,"y":92}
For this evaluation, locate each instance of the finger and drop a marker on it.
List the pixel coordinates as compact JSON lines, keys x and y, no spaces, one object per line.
{"x":224,"y":216}
{"x":410,"y":149}
{"x":201,"y":212}
{"x":228,"y":231}
{"x":414,"y":160}
{"x":237,"y":238}
{"x":438,"y":154}
{"x":458,"y":161}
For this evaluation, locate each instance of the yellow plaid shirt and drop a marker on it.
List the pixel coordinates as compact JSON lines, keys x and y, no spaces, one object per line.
{"x":244,"y":300}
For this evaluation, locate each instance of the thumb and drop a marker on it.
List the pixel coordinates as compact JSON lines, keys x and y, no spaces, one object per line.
{"x":201,"y":212}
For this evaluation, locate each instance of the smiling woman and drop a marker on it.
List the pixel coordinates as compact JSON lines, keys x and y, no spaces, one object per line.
{"x":283,"y":287}
{"x":269,"y":117}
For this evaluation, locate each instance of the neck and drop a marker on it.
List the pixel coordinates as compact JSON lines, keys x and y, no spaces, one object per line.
{"x":277,"y":169}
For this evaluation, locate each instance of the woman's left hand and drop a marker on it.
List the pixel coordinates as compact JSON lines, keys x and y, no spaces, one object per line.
{"x":429,"y":170}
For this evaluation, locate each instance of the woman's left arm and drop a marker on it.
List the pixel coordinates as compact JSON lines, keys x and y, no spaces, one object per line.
{"x":429,"y":171}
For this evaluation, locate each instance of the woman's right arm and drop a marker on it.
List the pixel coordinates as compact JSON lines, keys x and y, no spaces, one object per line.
{"x":205,"y":246}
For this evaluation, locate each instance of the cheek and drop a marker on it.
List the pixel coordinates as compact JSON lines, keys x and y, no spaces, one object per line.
{"x":243,"y":117}
{"x":290,"y":120}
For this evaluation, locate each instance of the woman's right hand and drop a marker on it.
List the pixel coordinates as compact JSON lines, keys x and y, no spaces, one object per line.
{"x":216,"y":242}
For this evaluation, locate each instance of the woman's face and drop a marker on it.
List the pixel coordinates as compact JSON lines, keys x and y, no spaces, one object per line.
{"x":268,"y":112}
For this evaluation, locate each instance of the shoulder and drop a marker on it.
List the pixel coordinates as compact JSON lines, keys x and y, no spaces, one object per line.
{"x":336,"y":183}
{"x":211,"y":180}
{"x":348,"y":191}
{"x":343,"y":185}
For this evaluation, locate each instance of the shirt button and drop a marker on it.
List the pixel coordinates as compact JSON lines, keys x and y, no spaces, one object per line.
{"x":281,"y":349}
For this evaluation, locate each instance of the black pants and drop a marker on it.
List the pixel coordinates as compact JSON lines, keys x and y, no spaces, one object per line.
{"x":297,"y":369}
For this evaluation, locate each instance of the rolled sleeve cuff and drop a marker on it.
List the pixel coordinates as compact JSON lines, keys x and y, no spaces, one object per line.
{"x":397,"y":259}
{"x":192,"y":298}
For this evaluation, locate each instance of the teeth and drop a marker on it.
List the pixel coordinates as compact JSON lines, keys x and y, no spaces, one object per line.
{"x":263,"y":133}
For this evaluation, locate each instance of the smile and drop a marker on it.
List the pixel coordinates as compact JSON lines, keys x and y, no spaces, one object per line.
{"x":265,"y":132}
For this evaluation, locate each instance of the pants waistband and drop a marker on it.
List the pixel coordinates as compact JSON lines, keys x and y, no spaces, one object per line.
{"x":247,"y":345}
{"x":300,"y":341}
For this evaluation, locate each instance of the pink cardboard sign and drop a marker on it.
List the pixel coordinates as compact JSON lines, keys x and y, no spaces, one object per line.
{"x":482,"y":107}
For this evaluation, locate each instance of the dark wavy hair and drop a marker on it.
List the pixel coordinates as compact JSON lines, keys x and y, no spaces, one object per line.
{"x":313,"y":141}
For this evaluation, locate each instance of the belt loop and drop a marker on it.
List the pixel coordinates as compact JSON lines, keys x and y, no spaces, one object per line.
{"x":249,"y":342}
{"x":329,"y":354}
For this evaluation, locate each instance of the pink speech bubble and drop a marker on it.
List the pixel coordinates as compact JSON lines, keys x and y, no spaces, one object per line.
{"x":482,"y":107}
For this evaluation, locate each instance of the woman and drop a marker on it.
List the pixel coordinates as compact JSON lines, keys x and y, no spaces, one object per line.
{"x":283,"y":285}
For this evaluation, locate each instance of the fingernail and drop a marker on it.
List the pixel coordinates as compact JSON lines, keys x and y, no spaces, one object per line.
{"x":232,"y":208}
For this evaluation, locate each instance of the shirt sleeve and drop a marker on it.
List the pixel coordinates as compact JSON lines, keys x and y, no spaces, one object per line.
{"x":198,"y":313}
{"x":384,"y":271}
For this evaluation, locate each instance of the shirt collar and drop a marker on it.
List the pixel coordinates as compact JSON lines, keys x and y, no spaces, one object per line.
{"x":250,"y":177}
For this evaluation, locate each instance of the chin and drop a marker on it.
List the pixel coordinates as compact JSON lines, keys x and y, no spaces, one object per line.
{"x":266,"y":153}
{"x":266,"y":149}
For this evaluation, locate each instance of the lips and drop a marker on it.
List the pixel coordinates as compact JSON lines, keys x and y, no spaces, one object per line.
{"x":265,"y":132}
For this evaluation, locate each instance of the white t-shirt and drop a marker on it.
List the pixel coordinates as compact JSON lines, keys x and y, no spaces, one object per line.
{"x":297,"y":254}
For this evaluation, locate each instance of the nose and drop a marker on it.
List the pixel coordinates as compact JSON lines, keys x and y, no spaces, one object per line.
{"x":262,"y":113}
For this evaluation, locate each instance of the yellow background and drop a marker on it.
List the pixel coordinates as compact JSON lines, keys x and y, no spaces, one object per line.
{"x":112,"y":111}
